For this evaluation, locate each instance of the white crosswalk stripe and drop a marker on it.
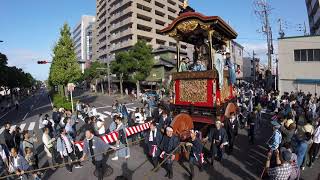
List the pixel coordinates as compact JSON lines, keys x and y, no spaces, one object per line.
{"x":31,"y":126}
{"x":107,"y":112}
{"x":102,"y":115}
{"x":22,"y":126}
{"x":2,"y":129}
{"x":12,"y":128}
{"x":132,"y":109}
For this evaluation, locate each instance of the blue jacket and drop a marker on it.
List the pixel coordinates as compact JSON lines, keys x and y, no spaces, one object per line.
{"x":22,"y":163}
{"x":60,"y":144}
{"x":301,"y":150}
{"x":275,"y":140}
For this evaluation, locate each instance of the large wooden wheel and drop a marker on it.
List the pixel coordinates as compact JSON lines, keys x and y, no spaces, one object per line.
{"x":182,"y":124}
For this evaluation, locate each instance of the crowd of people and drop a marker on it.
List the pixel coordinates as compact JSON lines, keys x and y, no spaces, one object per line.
{"x":293,"y":146}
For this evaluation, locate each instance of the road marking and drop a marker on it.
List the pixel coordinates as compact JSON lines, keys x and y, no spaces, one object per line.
{"x":107,"y":112}
{"x":128,"y":104}
{"x":2,"y":129}
{"x":31,"y":126}
{"x":102,"y":115}
{"x":22,"y":126}
{"x":103,"y":107}
{"x":12,"y":128}
{"x":25,"y":116}
{"x":131,"y":109}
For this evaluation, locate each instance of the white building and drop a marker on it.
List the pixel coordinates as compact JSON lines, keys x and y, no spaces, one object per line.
{"x":82,"y":38}
{"x":299,"y":64}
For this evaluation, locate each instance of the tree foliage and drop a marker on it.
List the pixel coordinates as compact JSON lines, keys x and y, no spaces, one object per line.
{"x":13,"y":77}
{"x":135,"y":64}
{"x":64,"y":68}
{"x":93,"y":71}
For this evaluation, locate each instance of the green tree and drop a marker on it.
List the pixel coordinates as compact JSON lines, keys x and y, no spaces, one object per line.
{"x":3,"y":69}
{"x":134,"y":65}
{"x":143,"y":59}
{"x":122,"y":67}
{"x":64,"y":68}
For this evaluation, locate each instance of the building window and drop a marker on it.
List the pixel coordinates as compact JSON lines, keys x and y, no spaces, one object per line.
{"x":310,"y":54}
{"x":307,"y":55}
{"x":303,"y":55}
{"x":296,"y":55}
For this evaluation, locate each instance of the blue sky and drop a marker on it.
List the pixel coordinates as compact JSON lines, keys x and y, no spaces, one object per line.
{"x":30,"y":28}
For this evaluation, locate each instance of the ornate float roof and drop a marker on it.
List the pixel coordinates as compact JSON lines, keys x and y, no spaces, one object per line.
{"x":189,"y":21}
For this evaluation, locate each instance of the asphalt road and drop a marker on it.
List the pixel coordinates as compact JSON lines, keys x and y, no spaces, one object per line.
{"x":246,"y":162}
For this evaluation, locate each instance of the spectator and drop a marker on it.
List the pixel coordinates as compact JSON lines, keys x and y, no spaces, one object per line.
{"x":316,"y":144}
{"x":251,"y":127}
{"x":8,"y":136}
{"x":18,"y":164}
{"x":65,"y":146}
{"x":100,"y":127}
{"x":302,"y":147}
{"x":48,"y":145}
{"x":275,"y":140}
{"x":283,"y":170}
{"x":122,"y":141}
{"x":308,"y":156}
{"x":28,"y":142}
{"x":69,"y":128}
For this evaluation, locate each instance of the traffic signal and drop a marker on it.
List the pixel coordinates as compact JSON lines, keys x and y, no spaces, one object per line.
{"x":42,"y":62}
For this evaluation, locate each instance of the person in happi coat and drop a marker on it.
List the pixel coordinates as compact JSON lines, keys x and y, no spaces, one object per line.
{"x":218,"y":138}
{"x":196,"y":155}
{"x":153,"y":139}
{"x":167,"y":146}
{"x":231,"y":125}
{"x":94,"y":148}
{"x":164,"y":121}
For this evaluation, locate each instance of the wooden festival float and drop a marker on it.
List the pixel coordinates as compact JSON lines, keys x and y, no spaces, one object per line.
{"x":201,"y":97}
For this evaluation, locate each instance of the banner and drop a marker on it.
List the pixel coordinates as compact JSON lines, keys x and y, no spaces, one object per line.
{"x":113,"y":136}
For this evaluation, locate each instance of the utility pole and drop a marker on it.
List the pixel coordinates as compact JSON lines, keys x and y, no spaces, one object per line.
{"x":262,"y":9}
{"x":281,"y":31}
{"x":108,"y":71}
{"x":254,"y":67}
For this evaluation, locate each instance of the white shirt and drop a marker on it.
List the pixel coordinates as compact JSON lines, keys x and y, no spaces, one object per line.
{"x":67,"y":144}
{"x":94,"y":112}
{"x":101,"y":128}
{"x":139,"y":118}
{"x":316,"y":137}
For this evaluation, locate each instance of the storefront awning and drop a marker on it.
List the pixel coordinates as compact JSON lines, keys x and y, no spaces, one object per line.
{"x":307,"y":81}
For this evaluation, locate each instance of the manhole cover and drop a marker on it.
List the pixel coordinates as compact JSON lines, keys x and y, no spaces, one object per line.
{"x":107,"y":171}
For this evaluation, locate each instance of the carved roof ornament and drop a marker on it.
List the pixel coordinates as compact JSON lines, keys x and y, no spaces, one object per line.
{"x":185,"y":4}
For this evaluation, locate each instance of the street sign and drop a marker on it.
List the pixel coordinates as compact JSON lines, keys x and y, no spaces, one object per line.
{"x":71,"y":87}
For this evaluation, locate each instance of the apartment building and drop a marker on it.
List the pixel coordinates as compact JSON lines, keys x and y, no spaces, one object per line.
{"x":121,"y":23}
{"x":299,"y":64}
{"x":314,"y":16}
{"x":82,"y":38}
